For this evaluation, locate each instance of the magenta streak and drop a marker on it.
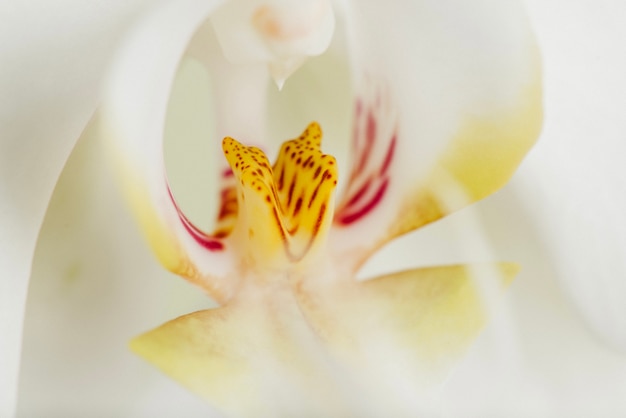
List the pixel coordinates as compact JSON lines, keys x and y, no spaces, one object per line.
{"x":356,"y":134}
{"x":359,"y":194}
{"x":228,"y":172}
{"x":349,"y":218}
{"x":200,"y":237}
{"x":390,"y":153}
{"x":370,"y":136}
{"x":358,"y":108}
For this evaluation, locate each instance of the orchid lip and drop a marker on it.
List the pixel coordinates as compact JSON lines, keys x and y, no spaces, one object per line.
{"x":284,"y":211}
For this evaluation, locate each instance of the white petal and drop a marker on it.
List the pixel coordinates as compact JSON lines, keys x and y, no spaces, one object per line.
{"x":134,"y":116}
{"x":447,"y":101}
{"x":95,"y":285}
{"x":53,"y":57}
{"x":574,"y":185}
{"x":541,"y":360}
{"x":545,"y":362}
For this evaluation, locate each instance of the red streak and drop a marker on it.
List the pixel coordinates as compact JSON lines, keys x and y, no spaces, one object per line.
{"x":200,"y":237}
{"x":359,"y":194}
{"x":349,"y":218}
{"x":390,"y":153}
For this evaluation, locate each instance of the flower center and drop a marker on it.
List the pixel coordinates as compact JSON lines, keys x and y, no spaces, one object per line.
{"x":284,"y":211}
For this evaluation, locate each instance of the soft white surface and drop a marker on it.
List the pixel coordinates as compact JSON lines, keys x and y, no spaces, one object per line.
{"x":94,"y":286}
{"x":545,"y":362}
{"x":442,"y":64}
{"x":279,"y":33}
{"x":52,"y":56}
{"x":574,"y":185}
{"x":549,"y":219}
{"x":562,"y":218}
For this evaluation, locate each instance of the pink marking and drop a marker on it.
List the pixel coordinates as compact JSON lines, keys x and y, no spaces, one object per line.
{"x":390,"y":154}
{"x":228,"y":172}
{"x":359,"y":194}
{"x":349,"y":218}
{"x":369,"y":177}
{"x":358,"y":107}
{"x":200,"y":237}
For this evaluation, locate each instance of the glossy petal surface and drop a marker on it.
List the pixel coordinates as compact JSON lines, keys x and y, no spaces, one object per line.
{"x":406,"y":329}
{"x":49,"y":81}
{"x":255,"y":356}
{"x":446,"y":106}
{"x":281,"y":34}
{"x":573,"y":186}
{"x":94,"y":286}
{"x":143,"y":74}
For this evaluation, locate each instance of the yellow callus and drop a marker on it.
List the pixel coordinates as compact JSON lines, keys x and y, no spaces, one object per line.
{"x":285,"y":210}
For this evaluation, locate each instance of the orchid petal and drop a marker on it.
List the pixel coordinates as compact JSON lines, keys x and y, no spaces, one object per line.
{"x":447,"y":105}
{"x":285,"y":211}
{"x":541,"y":361}
{"x":572,"y":186}
{"x":407,"y":328}
{"x":255,"y":356}
{"x":49,"y":81}
{"x":134,"y":112}
{"x":94,"y":286}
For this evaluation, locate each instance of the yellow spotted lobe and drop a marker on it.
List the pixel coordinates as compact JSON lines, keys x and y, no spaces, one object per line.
{"x":284,"y":210}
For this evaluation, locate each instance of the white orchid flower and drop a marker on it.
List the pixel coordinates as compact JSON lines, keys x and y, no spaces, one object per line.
{"x":476,"y":137}
{"x":125,"y":307}
{"x":283,"y":257}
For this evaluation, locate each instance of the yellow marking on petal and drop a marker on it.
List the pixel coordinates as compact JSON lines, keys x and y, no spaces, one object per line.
{"x":480,"y":160}
{"x":505,"y":140}
{"x":202,"y":350}
{"x":249,"y":358}
{"x":286,"y":210}
{"x":424,"y":319}
{"x":160,"y":235}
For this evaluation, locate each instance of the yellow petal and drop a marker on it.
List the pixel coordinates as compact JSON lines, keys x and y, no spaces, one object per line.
{"x":402,"y":332}
{"x":271,"y":351}
{"x":255,"y":357}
